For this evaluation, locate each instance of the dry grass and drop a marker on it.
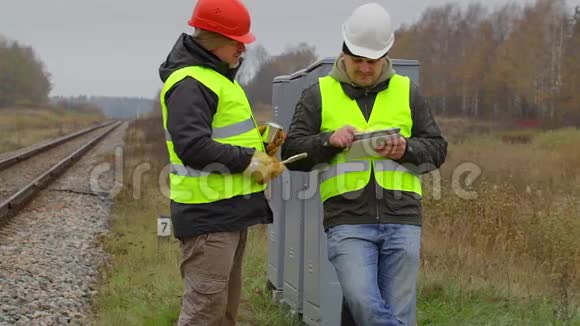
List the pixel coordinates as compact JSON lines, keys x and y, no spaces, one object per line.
{"x":21,"y":127}
{"x":458,"y":129}
{"x":520,"y":233}
{"x":518,"y":237}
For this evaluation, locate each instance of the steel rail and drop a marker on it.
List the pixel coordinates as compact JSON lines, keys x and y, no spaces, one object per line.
{"x":11,"y":205}
{"x":27,"y":154}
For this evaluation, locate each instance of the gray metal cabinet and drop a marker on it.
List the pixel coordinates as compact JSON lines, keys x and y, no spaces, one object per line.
{"x":292,"y":185}
{"x":276,"y":230}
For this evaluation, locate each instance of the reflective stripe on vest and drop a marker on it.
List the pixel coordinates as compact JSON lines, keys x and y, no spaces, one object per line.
{"x":233,"y":123}
{"x":228,"y":131}
{"x":391,"y":109}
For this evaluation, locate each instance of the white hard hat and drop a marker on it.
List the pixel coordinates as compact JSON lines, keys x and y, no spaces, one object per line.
{"x":368,"y":32}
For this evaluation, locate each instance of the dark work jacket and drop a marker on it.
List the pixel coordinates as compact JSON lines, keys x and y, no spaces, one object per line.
{"x":190,"y":110}
{"x":426,"y":151}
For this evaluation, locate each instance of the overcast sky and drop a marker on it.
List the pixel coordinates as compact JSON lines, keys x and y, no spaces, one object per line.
{"x":113,"y":47}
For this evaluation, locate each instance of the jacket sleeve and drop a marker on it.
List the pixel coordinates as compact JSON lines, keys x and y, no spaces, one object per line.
{"x":426,"y":148}
{"x":304,"y":133}
{"x":190,"y":110}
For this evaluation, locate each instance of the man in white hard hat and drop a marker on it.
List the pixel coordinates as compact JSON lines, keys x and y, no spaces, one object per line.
{"x":372,"y":204}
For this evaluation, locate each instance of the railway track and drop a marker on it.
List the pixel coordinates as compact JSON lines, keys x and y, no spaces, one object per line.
{"x":22,"y":176}
{"x":50,"y":249}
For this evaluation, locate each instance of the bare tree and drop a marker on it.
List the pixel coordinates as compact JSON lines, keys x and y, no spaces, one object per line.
{"x":259,"y":88}
{"x":256,"y":56}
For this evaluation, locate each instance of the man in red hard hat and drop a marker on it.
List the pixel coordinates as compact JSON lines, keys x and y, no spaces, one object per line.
{"x":219,"y":165}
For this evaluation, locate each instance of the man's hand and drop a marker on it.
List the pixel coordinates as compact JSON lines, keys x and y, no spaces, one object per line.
{"x":272,"y":148}
{"x":393,"y":147}
{"x":343,"y":137}
{"x":264,"y":168}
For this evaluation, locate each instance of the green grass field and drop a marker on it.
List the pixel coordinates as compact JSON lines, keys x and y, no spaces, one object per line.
{"x":508,"y":257}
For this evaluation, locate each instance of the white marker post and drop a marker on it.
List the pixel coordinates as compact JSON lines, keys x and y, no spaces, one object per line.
{"x":163,"y":229}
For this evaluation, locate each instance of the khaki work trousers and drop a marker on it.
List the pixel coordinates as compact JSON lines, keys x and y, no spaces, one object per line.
{"x":212,"y":272}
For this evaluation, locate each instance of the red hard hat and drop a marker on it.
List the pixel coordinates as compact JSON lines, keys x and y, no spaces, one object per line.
{"x":229,"y":18}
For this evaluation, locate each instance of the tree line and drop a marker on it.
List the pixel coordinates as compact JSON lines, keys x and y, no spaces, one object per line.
{"x":512,"y":63}
{"x":261,"y":68}
{"x":515,"y":62}
{"x":23,"y":79}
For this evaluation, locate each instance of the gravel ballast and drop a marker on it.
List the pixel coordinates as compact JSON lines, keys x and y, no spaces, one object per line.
{"x":49,"y":252}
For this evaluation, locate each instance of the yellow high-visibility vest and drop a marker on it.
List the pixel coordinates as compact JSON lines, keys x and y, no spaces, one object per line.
{"x":391,"y":109}
{"x":233,"y":123}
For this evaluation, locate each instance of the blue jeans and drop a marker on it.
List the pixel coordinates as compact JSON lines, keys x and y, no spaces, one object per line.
{"x":377,"y":267}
